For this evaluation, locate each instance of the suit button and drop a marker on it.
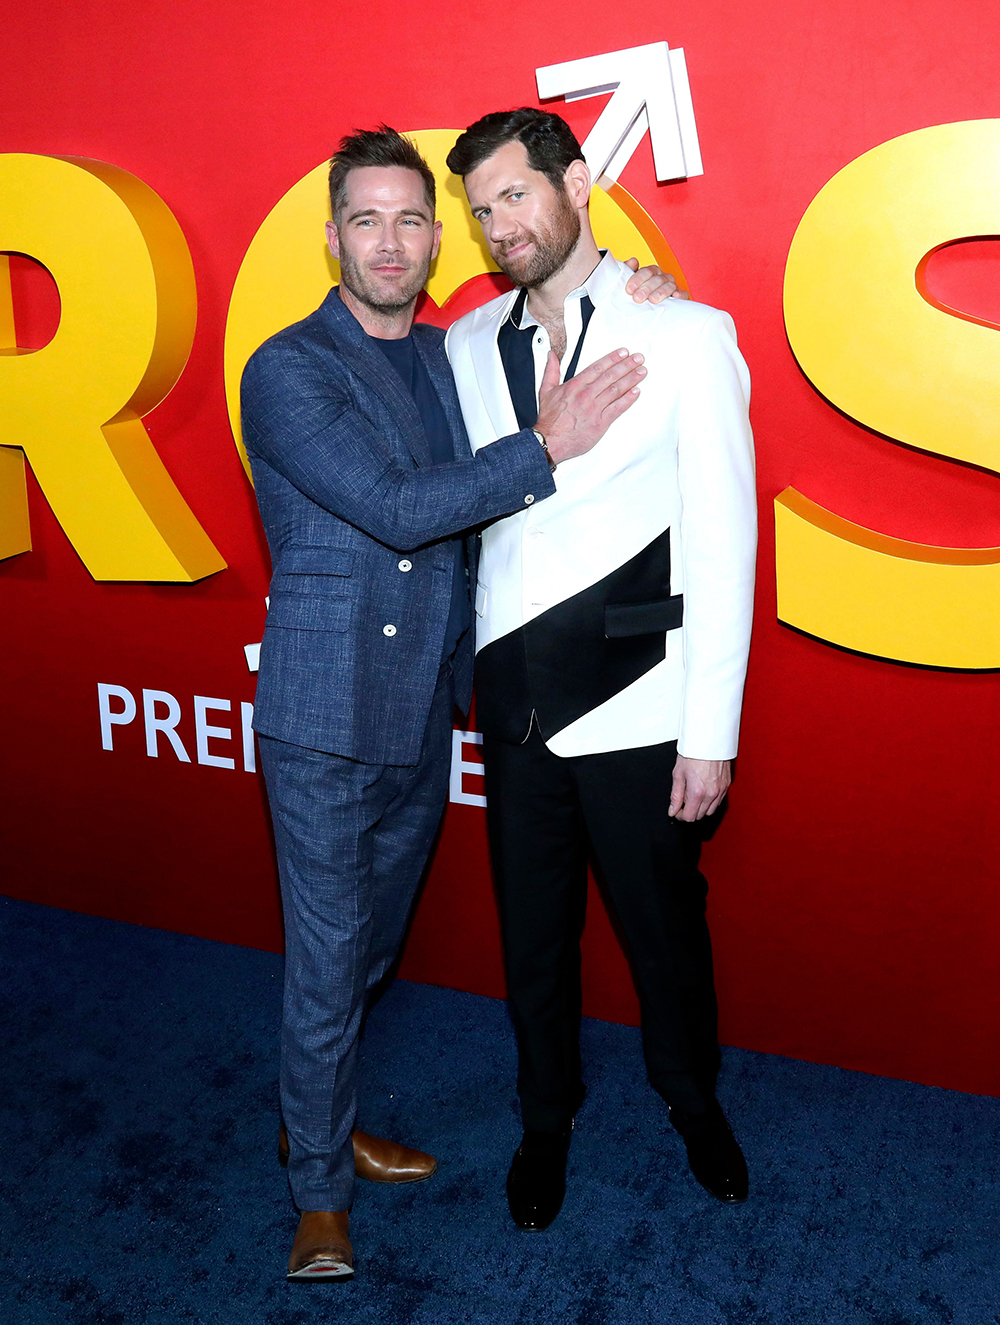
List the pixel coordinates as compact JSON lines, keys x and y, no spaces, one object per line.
{"x":529,"y":499}
{"x":389,"y":630}
{"x":406,"y":565}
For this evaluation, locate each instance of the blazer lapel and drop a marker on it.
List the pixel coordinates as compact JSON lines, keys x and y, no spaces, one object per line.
{"x":375,"y":370}
{"x":488,"y":366}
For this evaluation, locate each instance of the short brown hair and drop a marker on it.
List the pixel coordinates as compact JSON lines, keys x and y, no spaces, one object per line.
{"x":550,"y":143}
{"x":375,"y":147}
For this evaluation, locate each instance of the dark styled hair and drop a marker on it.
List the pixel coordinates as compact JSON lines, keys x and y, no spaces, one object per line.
{"x":550,"y":143}
{"x":375,"y":147}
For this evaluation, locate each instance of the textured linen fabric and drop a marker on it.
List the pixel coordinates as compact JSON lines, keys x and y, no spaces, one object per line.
{"x":349,"y":494}
{"x":403,"y":356}
{"x":352,"y":841}
{"x":353,"y":706}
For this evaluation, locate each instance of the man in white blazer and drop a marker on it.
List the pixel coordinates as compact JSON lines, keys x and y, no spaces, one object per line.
{"x":612,"y":634}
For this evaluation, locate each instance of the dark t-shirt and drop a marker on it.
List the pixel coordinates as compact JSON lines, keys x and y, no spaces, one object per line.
{"x":407,"y":363}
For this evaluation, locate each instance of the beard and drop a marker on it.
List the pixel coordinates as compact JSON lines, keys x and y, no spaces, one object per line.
{"x":553,"y":242}
{"x":379,"y":298}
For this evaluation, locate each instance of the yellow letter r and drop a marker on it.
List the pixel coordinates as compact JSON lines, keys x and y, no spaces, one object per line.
{"x":75,"y":408}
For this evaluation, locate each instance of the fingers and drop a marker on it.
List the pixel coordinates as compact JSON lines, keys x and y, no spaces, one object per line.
{"x":550,"y":378}
{"x":616,"y":359}
{"x":644,"y":283}
{"x":687,"y":812}
{"x":698,"y":788}
{"x":620,"y":386}
{"x":615,"y":408}
{"x":676,"y":793}
{"x":698,"y":803}
{"x":650,"y":283}
{"x":689,"y":798}
{"x":612,"y":383}
{"x":619,"y":376}
{"x":634,"y":264}
{"x":656,"y":285}
{"x":616,"y":400}
{"x":665,"y":290}
{"x":692,"y":809}
{"x":576,"y":414}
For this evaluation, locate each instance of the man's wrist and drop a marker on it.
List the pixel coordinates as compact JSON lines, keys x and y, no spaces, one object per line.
{"x":545,"y":447}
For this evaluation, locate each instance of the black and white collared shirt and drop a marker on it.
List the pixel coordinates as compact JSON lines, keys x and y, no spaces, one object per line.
{"x":524,"y":349}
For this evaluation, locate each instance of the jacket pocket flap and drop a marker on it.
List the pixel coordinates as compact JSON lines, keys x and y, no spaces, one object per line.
{"x":303,"y":612}
{"x":624,"y":619}
{"x":316,"y":561}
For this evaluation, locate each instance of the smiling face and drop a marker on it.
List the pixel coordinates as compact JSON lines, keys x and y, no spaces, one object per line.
{"x":531,"y":227}
{"x":385,"y":238}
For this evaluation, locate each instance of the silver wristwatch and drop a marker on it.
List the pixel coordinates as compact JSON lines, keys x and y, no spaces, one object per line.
{"x":545,"y":447}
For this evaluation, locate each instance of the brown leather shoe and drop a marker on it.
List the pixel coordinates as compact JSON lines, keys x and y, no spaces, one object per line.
{"x":377,"y":1160}
{"x":322,"y":1249}
{"x":387,"y":1161}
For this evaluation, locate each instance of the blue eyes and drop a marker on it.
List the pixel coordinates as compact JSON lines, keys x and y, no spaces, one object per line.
{"x":368,"y":221}
{"x":484,"y":213}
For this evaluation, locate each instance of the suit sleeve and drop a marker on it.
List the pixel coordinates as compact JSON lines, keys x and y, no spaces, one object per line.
{"x":299,"y":419}
{"x":718,"y":534}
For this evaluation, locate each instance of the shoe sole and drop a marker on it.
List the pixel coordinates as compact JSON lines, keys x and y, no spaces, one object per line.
{"x":395,"y":1182}
{"x":723,"y":1200}
{"x":400,"y":1182}
{"x":317,"y":1270}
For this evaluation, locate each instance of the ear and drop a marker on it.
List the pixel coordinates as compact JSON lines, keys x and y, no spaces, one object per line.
{"x":437,"y":240}
{"x":333,"y":239}
{"x":576,"y":182}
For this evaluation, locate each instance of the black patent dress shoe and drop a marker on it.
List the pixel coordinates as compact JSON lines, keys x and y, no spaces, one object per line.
{"x":536,"y":1182}
{"x":714,"y":1154}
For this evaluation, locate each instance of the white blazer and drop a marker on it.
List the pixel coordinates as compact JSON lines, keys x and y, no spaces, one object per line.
{"x":681,"y":457}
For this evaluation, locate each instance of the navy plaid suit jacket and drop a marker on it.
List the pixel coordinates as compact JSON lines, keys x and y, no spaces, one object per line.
{"x":357,"y":520}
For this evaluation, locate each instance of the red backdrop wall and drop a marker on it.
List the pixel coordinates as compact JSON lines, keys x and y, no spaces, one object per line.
{"x":853,"y":882}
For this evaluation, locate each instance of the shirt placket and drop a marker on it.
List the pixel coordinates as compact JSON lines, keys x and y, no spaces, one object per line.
{"x":532,"y":560}
{"x":535,"y":579}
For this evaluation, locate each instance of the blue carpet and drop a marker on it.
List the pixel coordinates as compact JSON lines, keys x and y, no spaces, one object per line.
{"x":141,"y":1188}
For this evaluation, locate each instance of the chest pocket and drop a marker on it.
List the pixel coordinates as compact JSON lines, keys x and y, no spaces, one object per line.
{"x":310,"y":589}
{"x":316,"y":561}
{"x":313,"y":570}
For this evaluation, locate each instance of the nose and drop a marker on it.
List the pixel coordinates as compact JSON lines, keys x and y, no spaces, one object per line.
{"x":389,"y":241}
{"x":499,"y":226}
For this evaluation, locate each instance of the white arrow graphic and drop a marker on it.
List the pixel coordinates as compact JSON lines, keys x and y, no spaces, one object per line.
{"x":650,"y":91}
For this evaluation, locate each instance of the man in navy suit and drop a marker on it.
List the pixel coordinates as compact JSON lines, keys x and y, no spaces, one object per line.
{"x":368,"y":492}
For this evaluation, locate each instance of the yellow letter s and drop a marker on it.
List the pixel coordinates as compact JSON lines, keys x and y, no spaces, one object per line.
{"x":869,"y":336}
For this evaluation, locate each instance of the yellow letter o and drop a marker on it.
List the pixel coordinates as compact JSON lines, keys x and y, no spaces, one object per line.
{"x":288,"y":269}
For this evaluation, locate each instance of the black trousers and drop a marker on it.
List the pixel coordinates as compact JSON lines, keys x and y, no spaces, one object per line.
{"x":542,"y":810}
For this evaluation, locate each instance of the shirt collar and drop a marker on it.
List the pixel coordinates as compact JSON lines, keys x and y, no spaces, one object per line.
{"x":597,"y":286}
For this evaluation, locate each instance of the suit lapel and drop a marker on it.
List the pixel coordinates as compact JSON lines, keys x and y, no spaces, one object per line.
{"x":375,"y":370}
{"x":488,"y":367}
